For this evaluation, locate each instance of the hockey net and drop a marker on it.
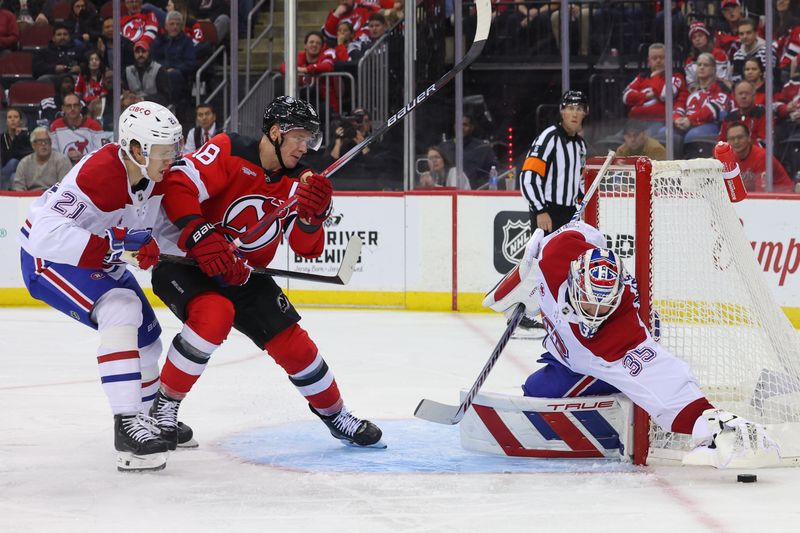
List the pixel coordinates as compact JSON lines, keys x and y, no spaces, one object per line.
{"x":702,"y":292}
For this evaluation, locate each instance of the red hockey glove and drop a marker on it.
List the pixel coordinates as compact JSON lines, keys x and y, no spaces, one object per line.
{"x":214,"y":255}
{"x":238,"y":274}
{"x":314,"y":198}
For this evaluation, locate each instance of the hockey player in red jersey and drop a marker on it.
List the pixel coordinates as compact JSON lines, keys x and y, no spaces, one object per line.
{"x":220,"y":193}
{"x":597,"y":344}
{"x":73,"y":243}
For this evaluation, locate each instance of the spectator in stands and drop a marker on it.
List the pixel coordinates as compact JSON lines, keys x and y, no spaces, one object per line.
{"x":101,"y":108}
{"x":90,"y":80}
{"x":206,"y":127}
{"x":354,"y":11}
{"x":14,"y":145}
{"x":787,"y":33}
{"x":753,"y":162}
{"x":727,"y":30}
{"x":146,"y":78}
{"x":705,"y":106}
{"x":376,"y":28}
{"x":138,"y":25}
{"x":754,"y":73}
{"x":350,"y":131}
{"x":74,"y":134}
{"x":396,"y":13}
{"x":441,"y":172}
{"x":310,"y":62}
{"x":9,"y":31}
{"x":347,"y":49}
{"x":84,"y":22}
{"x":175,"y":52}
{"x":215,"y":11}
{"x":43,"y":168}
{"x":61,"y":56}
{"x":479,"y":157}
{"x":645,"y":95}
{"x":579,"y":25}
{"x":50,"y":108}
{"x":638,"y":142}
{"x":747,"y":112}
{"x":701,"y":42}
{"x":751,"y":47}
{"x":105,"y":45}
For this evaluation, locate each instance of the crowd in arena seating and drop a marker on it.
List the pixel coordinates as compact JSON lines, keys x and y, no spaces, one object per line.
{"x":68,"y":48}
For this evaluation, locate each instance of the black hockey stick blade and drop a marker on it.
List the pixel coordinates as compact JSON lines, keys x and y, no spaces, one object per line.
{"x":342,"y":277}
{"x":484,"y":21}
{"x":452,"y":414}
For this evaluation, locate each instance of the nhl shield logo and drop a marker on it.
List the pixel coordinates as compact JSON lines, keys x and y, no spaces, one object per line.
{"x":515,"y":236}
{"x":511,"y":234}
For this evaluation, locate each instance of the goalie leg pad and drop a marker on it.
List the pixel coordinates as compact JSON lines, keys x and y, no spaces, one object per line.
{"x":590,"y":427}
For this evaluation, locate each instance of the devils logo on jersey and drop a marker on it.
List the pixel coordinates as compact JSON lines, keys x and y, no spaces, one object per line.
{"x":133,"y":30}
{"x":80,"y":146}
{"x":244,"y":214}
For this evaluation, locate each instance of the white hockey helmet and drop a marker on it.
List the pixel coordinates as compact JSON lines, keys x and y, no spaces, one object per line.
{"x":595,"y":279}
{"x":149,"y":124}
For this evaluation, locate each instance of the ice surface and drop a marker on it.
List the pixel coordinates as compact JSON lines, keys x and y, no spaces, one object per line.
{"x":266,"y":464}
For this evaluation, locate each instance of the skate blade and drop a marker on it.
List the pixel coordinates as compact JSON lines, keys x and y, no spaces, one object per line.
{"x":189,"y":444}
{"x":380,"y":445}
{"x":128,"y":462}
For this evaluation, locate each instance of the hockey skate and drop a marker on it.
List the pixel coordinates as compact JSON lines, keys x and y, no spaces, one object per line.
{"x":351,"y":430}
{"x":138,"y":447}
{"x":735,"y":443}
{"x":175,"y":434}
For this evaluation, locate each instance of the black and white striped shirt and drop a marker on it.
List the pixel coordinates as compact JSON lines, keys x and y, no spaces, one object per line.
{"x":551,"y":173}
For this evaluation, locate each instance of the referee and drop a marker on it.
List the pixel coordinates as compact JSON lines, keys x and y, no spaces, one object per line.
{"x":551,"y":174}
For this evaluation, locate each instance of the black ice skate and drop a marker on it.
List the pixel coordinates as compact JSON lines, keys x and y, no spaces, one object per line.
{"x":138,"y":446}
{"x":165,"y":411}
{"x":352,"y":430}
{"x":186,"y":436}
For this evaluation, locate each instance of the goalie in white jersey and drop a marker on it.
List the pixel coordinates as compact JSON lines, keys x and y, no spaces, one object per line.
{"x":72,"y":246}
{"x":597,"y":344}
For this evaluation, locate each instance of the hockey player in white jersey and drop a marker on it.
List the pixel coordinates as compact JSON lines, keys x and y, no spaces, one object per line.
{"x":597,"y":345}
{"x":72,"y":246}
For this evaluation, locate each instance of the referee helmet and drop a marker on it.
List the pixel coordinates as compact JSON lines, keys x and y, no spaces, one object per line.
{"x":574,"y":98}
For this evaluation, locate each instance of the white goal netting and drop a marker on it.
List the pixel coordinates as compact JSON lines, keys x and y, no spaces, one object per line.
{"x":710,"y":304}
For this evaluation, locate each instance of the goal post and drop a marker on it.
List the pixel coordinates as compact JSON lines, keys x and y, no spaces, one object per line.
{"x":702,"y":293}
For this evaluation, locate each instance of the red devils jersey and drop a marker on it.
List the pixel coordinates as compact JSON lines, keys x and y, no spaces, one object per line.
{"x":224,"y":183}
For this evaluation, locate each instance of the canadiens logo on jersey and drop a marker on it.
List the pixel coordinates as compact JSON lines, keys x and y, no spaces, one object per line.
{"x":245,"y":213}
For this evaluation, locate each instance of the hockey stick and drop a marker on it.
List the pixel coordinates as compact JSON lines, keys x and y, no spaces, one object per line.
{"x":484,"y":19}
{"x":440,"y":413}
{"x":342,"y":277}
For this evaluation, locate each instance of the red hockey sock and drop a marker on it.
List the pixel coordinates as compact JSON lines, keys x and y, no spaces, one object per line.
{"x":307,"y":370}
{"x":685,"y":420}
{"x":209,"y":320}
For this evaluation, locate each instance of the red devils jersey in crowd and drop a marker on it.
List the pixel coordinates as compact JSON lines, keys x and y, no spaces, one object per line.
{"x":704,"y":105}
{"x":357,"y":17}
{"x":142,"y":26}
{"x":224,"y":183}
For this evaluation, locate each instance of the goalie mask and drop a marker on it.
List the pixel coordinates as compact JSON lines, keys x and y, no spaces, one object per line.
{"x":594,"y":287}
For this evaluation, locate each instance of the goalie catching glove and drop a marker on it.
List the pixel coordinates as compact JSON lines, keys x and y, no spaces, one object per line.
{"x":519,"y":285}
{"x":314,"y":198}
{"x":140,"y":241}
{"x":726,"y":440}
{"x":215,"y":256}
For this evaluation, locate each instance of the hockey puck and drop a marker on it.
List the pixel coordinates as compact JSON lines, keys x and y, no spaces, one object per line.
{"x":746,"y":478}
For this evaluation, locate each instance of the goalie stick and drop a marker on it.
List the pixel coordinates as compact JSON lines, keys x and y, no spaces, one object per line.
{"x":484,"y":20}
{"x":342,"y":277}
{"x":440,"y":413}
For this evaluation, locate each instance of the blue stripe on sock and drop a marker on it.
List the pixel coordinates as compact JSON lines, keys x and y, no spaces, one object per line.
{"x":149,"y":398}
{"x":121,"y":377}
